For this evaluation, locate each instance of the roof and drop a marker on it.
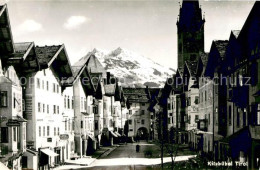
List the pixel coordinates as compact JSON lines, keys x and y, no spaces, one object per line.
{"x":56,"y":57}
{"x":6,"y":38}
{"x":190,"y":18}
{"x":204,"y":58}
{"x":250,"y":35}
{"x":192,"y":67}
{"x":110,"y":89}
{"x":221,"y":46}
{"x":22,"y":47}
{"x":95,"y":67}
{"x":46,"y":54}
{"x":24,"y":58}
{"x":136,"y":95}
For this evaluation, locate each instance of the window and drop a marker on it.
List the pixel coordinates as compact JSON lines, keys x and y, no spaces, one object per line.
{"x":42,"y":84}
{"x":43,"y":131}
{"x":238,"y":118}
{"x":244,"y":117}
{"x":47,"y":85}
{"x":196,"y":100}
{"x":196,"y":118}
{"x":14,"y":133}
{"x":68,"y":102}
{"x":130,"y":112}
{"x":209,"y":119}
{"x":58,"y":109}
{"x":96,"y":124}
{"x":39,"y":107}
{"x":65,"y":99}
{"x":205,"y":95}
{"x":3,"y":98}
{"x":81,"y":124}
{"x":142,"y":112}
{"x":85,"y":104}
{"x":66,"y":124}
{"x":130,"y":122}
{"x":110,"y":123}
{"x":38,"y":83}
{"x":54,"y":109}
{"x":48,"y":130}
{"x":4,"y":135}
{"x":169,"y":121}
{"x":95,"y":110}
{"x":58,"y":131}
{"x":105,"y":106}
{"x":169,"y":106}
{"x":229,"y":115}
{"x":54,"y":132}
{"x":23,"y":104}
{"x":47,"y":108}
{"x":58,"y":89}
{"x":40,"y":130}
{"x":43,"y":108}
{"x":53,"y":87}
{"x":143,"y":104}
{"x":73,"y":125}
{"x":142,"y":121}
{"x":72,"y":103}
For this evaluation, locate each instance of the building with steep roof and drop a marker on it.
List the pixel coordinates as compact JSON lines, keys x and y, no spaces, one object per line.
{"x":190,"y":26}
{"x":139,"y":117}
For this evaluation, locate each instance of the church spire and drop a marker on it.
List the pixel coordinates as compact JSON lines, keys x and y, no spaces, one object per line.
{"x":190,"y":17}
{"x":190,"y":27}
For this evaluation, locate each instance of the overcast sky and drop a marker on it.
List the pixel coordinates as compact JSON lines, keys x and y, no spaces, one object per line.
{"x":145,"y":27}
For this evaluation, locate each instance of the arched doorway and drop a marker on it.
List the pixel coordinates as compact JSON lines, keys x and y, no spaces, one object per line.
{"x":142,"y":133}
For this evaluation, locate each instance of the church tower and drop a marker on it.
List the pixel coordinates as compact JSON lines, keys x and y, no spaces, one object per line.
{"x":190,"y":26}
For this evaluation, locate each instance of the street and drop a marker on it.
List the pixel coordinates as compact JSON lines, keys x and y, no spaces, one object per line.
{"x":129,"y":151}
{"x":125,"y":157}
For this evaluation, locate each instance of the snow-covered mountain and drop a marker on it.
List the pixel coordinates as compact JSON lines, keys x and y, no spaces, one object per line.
{"x":133,"y":69}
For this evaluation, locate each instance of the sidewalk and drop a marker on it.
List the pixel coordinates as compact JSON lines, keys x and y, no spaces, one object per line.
{"x":104,"y":151}
{"x":88,"y":160}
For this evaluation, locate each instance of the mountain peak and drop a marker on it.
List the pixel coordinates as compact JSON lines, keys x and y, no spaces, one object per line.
{"x":133,"y":69}
{"x":117,"y":51}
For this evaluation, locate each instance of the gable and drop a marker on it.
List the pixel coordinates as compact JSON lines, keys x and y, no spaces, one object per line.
{"x":6,"y":38}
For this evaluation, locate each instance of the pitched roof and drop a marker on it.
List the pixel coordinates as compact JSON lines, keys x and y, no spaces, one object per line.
{"x":22,"y":47}
{"x":190,"y":18}
{"x":136,"y":94}
{"x":192,"y":67}
{"x":204,"y":58}
{"x":94,"y":66}
{"x":24,"y":58}
{"x":221,"y":47}
{"x":46,"y":54}
{"x":6,"y":38}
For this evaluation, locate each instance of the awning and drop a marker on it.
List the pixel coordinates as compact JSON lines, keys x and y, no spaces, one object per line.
{"x":117,"y":134}
{"x":113,"y":134}
{"x":49,"y":152}
{"x":92,"y":138}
